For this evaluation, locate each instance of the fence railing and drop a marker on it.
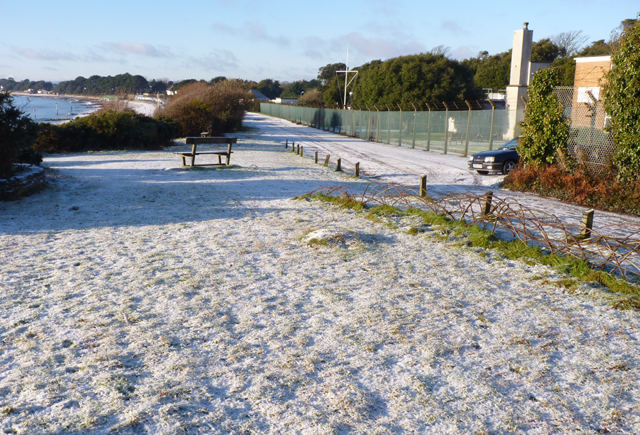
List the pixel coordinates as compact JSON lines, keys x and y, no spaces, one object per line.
{"x":464,"y":132}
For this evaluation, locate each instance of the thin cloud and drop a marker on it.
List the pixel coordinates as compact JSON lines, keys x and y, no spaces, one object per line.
{"x":464,"y":52}
{"x":48,"y":55}
{"x":219,"y":60}
{"x":380,"y":48}
{"x":223,"y":28}
{"x":137,"y":48}
{"x":255,"y":31}
{"x":454,"y":28}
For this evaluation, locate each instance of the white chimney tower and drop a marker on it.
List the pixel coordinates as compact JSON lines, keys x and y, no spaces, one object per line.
{"x":519,"y":79}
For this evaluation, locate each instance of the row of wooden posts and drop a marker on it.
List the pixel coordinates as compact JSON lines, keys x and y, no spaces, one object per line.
{"x":587,"y":216}
{"x":298,"y":149}
{"x":586,"y":225}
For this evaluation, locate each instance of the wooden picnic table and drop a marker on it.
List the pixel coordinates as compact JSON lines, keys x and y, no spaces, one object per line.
{"x":195,"y":141}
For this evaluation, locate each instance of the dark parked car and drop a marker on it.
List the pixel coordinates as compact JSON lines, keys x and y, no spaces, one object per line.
{"x":504,"y":159}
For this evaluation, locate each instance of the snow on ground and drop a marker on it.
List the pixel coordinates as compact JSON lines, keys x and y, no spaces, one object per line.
{"x":142,"y":108}
{"x":446,"y":173}
{"x":140,"y":297}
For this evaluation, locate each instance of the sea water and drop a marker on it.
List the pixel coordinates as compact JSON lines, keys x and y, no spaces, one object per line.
{"x":53,"y":110}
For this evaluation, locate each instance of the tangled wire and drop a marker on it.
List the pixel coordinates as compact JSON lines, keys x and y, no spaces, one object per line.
{"x":602,"y":247}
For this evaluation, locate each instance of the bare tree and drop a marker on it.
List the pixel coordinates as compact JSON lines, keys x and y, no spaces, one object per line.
{"x":570,"y":42}
{"x":440,"y":49}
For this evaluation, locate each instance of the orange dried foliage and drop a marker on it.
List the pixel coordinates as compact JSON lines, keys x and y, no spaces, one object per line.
{"x":604,"y":191}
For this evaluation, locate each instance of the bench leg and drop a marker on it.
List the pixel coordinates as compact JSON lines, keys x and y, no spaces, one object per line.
{"x":228,"y":154}
{"x":193,"y":154}
{"x":219,"y":159}
{"x":184,"y":161}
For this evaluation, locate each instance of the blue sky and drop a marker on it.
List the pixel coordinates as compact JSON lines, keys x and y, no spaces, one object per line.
{"x":284,"y":40}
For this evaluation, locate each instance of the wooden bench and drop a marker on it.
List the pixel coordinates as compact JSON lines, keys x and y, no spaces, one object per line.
{"x":195,"y":141}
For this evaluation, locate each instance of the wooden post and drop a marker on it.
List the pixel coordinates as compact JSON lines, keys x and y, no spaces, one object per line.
{"x":486,"y":208}
{"x":358,"y":170}
{"x":326,"y":160}
{"x":298,"y":149}
{"x":316,"y":157}
{"x":301,"y":151}
{"x":293,"y":147}
{"x":423,"y":185}
{"x":286,"y":144}
{"x":587,"y":224}
{"x":339,"y":166}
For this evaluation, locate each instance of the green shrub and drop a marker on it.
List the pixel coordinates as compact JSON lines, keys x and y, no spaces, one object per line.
{"x":17,"y":132}
{"x":544,"y":130}
{"x":201,"y":107}
{"x":104,"y":131}
{"x":621,"y":96}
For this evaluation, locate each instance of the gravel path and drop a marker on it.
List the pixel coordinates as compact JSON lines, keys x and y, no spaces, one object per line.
{"x":138,"y":297}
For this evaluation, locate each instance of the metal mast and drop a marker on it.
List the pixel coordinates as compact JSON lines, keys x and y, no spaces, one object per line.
{"x":347,"y":82}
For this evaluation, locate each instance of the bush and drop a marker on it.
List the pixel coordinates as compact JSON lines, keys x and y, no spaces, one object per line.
{"x":621,"y":96}
{"x":544,"y":130}
{"x":311,"y":98}
{"x":604,"y":191}
{"x":106,"y":131}
{"x":201,"y":107}
{"x":17,"y":132}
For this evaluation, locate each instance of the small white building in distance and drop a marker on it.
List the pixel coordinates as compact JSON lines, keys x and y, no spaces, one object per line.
{"x":286,"y":101}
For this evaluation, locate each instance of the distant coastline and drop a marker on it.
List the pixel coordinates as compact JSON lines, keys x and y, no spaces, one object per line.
{"x":76,"y":97}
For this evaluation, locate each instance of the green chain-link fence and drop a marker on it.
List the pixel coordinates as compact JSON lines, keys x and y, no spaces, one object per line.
{"x":464,"y":132}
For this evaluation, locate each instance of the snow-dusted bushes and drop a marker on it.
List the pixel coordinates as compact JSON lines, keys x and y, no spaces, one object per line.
{"x":107,"y":130}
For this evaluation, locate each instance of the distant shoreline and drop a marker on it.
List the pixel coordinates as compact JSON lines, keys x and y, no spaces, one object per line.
{"x":77,"y":97}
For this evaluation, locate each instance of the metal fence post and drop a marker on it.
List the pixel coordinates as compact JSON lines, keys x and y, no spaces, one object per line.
{"x":493,"y":112}
{"x":429,"y":130}
{"x":400,"y":128}
{"x":415,"y":114}
{"x":388,"y":125}
{"x":466,"y":142}
{"x":377,"y":139}
{"x":446,"y":126}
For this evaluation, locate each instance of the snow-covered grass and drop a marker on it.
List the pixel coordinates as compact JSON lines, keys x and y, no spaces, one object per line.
{"x":140,"y":297}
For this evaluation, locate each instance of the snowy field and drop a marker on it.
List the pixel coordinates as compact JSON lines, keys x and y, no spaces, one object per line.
{"x":138,"y":297}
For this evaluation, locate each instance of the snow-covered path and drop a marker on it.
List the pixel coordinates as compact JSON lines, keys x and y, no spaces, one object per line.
{"x":138,"y":297}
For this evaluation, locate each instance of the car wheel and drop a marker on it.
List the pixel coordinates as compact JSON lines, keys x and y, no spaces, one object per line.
{"x":483,"y":172}
{"x":508,"y":166}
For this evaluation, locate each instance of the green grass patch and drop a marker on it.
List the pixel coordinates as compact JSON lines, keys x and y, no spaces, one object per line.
{"x":318,"y":242}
